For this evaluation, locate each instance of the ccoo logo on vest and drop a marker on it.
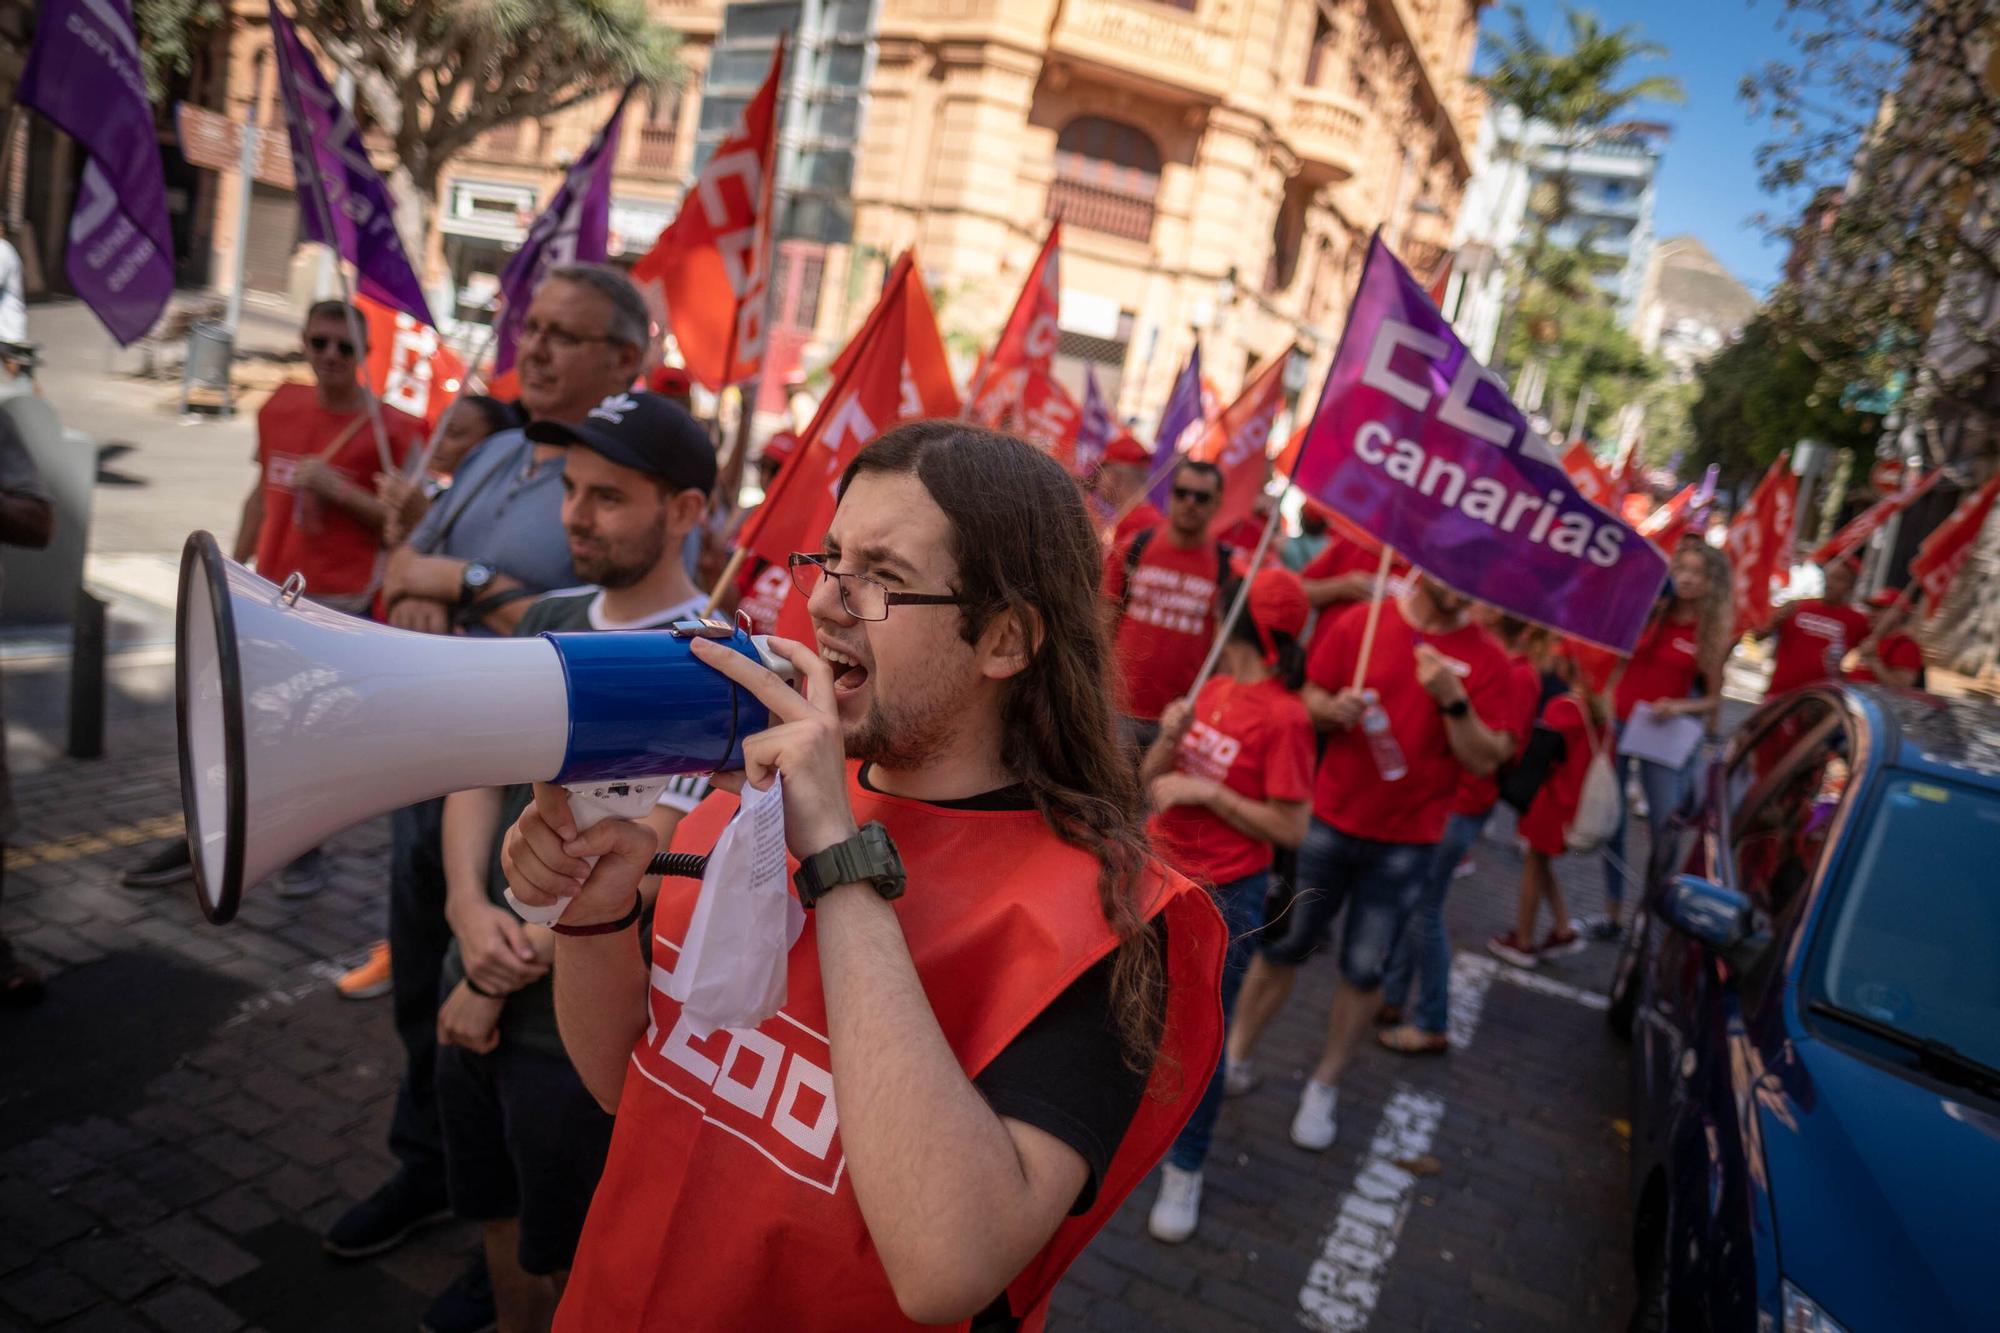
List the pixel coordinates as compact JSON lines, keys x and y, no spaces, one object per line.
{"x":1417,"y":443}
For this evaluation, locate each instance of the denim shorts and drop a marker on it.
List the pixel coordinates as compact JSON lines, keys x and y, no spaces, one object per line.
{"x":1378,"y":882}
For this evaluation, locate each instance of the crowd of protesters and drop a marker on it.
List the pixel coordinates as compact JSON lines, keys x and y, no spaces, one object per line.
{"x":1313,"y":745}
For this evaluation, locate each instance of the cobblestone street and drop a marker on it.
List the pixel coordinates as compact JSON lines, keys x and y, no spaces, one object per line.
{"x":192,"y":1104}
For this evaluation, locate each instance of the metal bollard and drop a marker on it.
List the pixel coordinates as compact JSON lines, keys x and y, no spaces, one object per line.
{"x":86,"y":678}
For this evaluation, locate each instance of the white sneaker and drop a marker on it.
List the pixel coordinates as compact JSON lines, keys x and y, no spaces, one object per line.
{"x":1178,"y":1208}
{"x":1238,"y":1077}
{"x":1313,"y":1127}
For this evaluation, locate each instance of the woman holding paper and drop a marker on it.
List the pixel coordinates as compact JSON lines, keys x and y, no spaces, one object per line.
{"x":1675,"y":672}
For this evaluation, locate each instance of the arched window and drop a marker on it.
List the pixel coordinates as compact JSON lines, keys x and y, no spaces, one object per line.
{"x":1107,"y":177}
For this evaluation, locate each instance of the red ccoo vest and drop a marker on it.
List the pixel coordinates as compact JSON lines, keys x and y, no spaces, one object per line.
{"x":725,"y":1203}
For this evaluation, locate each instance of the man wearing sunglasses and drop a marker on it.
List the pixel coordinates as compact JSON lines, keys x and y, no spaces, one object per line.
{"x":1159,"y":589}
{"x":313,"y":510}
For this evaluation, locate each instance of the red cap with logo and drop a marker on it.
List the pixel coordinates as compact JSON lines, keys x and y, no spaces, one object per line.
{"x":779,"y":447}
{"x":1278,"y":602}
{"x":1125,"y":449}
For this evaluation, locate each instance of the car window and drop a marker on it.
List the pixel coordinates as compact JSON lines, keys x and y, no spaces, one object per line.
{"x":1779,"y":834}
{"x":1915,"y":925}
{"x":1766,"y":749}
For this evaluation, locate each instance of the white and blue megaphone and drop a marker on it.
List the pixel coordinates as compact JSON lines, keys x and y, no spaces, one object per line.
{"x":297,"y":721}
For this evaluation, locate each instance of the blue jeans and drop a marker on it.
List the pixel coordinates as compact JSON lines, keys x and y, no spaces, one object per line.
{"x":1242,"y":904}
{"x":1425,"y":949}
{"x":1665,"y":788}
{"x":1378,"y":883}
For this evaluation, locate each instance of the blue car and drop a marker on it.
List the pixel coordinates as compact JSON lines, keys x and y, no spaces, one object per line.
{"x":1813,"y":1000}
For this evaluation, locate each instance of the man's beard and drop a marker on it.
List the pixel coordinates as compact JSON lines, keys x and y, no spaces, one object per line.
{"x":609,"y":570}
{"x":908,"y":735}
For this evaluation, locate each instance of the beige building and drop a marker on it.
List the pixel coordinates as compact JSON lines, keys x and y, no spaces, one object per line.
{"x":1219,"y":165}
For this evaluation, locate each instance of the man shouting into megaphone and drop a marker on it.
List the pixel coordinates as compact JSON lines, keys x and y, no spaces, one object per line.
{"x":1001,"y":1009}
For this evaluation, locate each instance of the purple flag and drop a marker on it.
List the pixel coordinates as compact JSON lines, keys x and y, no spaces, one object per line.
{"x":337,"y":181}
{"x":1183,"y":412}
{"x":574,"y":229}
{"x":83,"y":74}
{"x":1417,"y":443}
{"x":1094,"y":428}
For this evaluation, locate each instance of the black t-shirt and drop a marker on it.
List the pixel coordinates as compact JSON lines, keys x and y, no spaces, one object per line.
{"x":1066,"y":1073}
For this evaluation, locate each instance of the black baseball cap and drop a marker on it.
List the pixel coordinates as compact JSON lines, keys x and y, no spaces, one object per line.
{"x":646,"y":432}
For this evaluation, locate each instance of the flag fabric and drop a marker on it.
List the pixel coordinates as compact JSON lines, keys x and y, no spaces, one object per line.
{"x":1046,"y":417}
{"x":337,"y":182}
{"x":1418,"y":443}
{"x":1240,"y":444}
{"x":1027,"y":343}
{"x":574,"y":229}
{"x":409,"y":366}
{"x":83,"y":74}
{"x":1704,"y":498}
{"x":1587,"y":475}
{"x":1760,"y":544}
{"x":1182,"y":415}
{"x":1094,"y":428}
{"x":711,"y":265}
{"x":898,"y":372}
{"x":1945,"y":551}
{"x":1664,"y":526}
{"x":1864,"y":525}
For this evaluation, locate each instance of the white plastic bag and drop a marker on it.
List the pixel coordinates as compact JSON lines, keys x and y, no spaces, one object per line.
{"x":1600,"y":805}
{"x":731,"y":968}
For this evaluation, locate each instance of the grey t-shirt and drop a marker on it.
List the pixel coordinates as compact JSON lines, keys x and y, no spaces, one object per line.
{"x":18,"y":476}
{"x":505,"y":510}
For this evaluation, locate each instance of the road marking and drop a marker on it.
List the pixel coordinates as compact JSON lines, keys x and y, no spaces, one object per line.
{"x":319,"y":975}
{"x":1344,"y":1284}
{"x":79,"y":845}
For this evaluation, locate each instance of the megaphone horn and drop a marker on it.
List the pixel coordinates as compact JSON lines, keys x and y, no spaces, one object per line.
{"x":297,"y":721}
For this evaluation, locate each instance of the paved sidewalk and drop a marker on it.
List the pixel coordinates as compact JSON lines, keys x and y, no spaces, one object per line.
{"x":192,"y":1104}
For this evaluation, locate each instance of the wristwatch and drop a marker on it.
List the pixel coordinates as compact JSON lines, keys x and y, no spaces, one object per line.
{"x":1456,"y":708}
{"x":867,"y":857}
{"x":473,"y":582}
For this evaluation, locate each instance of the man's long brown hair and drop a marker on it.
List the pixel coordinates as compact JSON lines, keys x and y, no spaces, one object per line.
{"x":1024,"y":543}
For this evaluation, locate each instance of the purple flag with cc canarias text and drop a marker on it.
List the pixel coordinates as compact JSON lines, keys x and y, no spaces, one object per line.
{"x":332,"y":166}
{"x":1417,"y":443}
{"x":574,"y":229}
{"x":83,"y":74}
{"x":1182,"y":415}
{"x":1094,"y":428}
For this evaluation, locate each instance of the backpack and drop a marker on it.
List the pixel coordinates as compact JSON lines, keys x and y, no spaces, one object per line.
{"x":1522,"y":777}
{"x":1138,"y":548}
{"x":1600,"y":805}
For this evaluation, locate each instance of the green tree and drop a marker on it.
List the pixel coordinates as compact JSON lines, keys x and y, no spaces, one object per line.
{"x":1568,"y":325}
{"x":1761,"y":395}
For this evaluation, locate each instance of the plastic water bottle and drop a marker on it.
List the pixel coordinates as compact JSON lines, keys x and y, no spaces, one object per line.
{"x":1382,"y":747}
{"x":1836,"y":653}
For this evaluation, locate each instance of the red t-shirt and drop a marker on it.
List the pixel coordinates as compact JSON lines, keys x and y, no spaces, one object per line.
{"x":1341,"y":556}
{"x":1256,"y":740}
{"x":1164,"y":632}
{"x":1805,"y":639}
{"x":317,"y":538}
{"x":1899,"y":651}
{"x":1664,"y":664}
{"x":1350,"y":795}
{"x":761,"y":589}
{"x":1477,"y":795}
{"x":1546,"y":825}
{"x":1138,"y":519}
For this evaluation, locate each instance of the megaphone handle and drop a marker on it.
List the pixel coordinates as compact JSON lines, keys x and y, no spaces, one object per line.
{"x":592,"y":803}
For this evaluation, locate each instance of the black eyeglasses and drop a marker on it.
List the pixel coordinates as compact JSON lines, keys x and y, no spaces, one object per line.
{"x":319,"y":342}
{"x":862,"y":597}
{"x":560,"y":338}
{"x":1195,"y":497}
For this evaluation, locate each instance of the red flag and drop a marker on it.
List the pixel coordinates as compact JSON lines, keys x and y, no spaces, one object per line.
{"x":1239,"y":443}
{"x":1945,"y":551}
{"x":1026,"y":345}
{"x":712,"y":264}
{"x":1048,"y":418}
{"x":1760,"y":544}
{"x":1584,"y":471}
{"x":1664,"y":526}
{"x":409,"y":366}
{"x":896,"y":371}
{"x":1860,"y":528}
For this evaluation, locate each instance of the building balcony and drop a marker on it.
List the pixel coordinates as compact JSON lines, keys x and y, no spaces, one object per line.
{"x":1326,"y":131}
{"x":1120,"y":213}
{"x":1157,"y":47}
{"x":655,"y":151}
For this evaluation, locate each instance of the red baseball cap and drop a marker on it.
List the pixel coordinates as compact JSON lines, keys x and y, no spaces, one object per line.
{"x":1125,"y":449}
{"x":779,"y":447}
{"x":1884,"y":598}
{"x":1278,"y":602}
{"x":672,"y":381}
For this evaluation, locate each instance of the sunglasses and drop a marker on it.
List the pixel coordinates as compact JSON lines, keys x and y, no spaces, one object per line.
{"x":319,"y":342}
{"x":1194,"y":497}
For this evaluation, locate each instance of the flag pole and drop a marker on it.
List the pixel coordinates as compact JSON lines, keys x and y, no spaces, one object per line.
{"x":729,"y":572}
{"x":1271,"y":527}
{"x":422,"y":459}
{"x":1374,"y":613}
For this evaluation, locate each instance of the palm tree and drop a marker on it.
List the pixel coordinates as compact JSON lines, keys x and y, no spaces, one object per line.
{"x":1580,"y":95}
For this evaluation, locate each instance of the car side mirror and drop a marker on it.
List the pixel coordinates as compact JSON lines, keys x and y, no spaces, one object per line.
{"x":1721,"y":920}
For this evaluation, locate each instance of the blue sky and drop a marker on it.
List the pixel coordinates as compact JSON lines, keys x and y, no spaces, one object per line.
{"x":1708,"y":173}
